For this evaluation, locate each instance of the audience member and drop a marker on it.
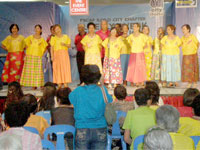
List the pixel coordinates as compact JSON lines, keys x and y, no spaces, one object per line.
{"x":120,"y":104}
{"x":10,"y":142}
{"x":167,"y":117}
{"x":188,"y":97}
{"x":138,"y":121}
{"x":16,"y":115}
{"x":190,"y":126}
{"x":15,"y":92}
{"x":154,"y":94}
{"x":64,"y":113}
{"x":47,"y":102}
{"x":35,"y":121}
{"x":154,"y":90}
{"x":89,"y":108}
{"x":157,"y":139}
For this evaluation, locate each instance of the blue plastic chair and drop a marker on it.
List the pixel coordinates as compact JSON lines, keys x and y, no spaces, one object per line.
{"x":31,"y":129}
{"x":45,"y":114}
{"x":138,"y":140}
{"x":46,"y":144}
{"x":196,"y":140}
{"x":60,"y":131}
{"x":116,"y":134}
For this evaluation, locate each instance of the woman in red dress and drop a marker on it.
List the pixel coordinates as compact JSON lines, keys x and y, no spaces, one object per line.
{"x":14,"y":45}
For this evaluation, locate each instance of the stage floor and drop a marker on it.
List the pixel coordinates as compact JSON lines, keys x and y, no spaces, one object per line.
{"x":130,"y":90}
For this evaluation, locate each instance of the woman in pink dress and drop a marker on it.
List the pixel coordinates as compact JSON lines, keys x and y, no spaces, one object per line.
{"x":137,"y":68}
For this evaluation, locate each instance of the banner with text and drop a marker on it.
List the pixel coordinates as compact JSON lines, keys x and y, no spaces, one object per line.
{"x":79,"y":7}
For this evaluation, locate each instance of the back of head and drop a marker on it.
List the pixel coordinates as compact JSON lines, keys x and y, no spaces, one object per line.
{"x":17,"y":114}
{"x":15,"y":92}
{"x":196,"y":105}
{"x":47,"y":101}
{"x":10,"y":142}
{"x":63,"y":95}
{"x":189,"y":96}
{"x":157,"y":139}
{"x":49,"y":90}
{"x":50,"y":84}
{"x":142,"y":96}
{"x":90,"y":74}
{"x":167,"y":117}
{"x":154,"y":91}
{"x":120,"y":92}
{"x":31,"y":101}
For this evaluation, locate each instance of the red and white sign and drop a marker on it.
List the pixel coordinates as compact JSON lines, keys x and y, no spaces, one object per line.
{"x":79,"y":7}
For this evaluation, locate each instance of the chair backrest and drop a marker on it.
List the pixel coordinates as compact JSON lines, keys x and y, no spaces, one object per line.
{"x":45,"y":114}
{"x":116,"y":126}
{"x":60,"y":131}
{"x":196,"y":140}
{"x":138,"y":140}
{"x":31,"y":129}
{"x":46,"y":144}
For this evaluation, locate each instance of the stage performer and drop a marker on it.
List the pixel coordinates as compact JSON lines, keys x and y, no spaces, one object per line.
{"x":148,"y":51}
{"x":92,"y":46}
{"x":190,"y":65}
{"x":79,"y":47}
{"x":14,"y":45}
{"x":156,"y":61}
{"x":170,"y":68}
{"x":60,"y":44}
{"x":125,"y":52}
{"x":103,"y":33}
{"x":32,"y":74}
{"x":118,"y":27}
{"x":112,"y":65}
{"x":47,"y":63}
{"x":137,"y":68}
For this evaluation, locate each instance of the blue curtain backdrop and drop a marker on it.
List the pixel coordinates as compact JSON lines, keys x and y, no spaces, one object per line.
{"x":28,"y":14}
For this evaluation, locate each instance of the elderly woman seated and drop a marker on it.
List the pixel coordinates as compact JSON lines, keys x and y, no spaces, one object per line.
{"x":167,"y":117}
{"x":157,"y":139}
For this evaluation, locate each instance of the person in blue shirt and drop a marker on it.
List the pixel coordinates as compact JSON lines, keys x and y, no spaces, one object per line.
{"x":89,"y":108}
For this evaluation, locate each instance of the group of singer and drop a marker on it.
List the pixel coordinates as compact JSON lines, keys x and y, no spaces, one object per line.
{"x":121,"y":57}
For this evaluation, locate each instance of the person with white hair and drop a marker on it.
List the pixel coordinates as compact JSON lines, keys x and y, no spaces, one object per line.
{"x":167,"y":117}
{"x":104,"y":32}
{"x":157,"y":138}
{"x":10,"y":142}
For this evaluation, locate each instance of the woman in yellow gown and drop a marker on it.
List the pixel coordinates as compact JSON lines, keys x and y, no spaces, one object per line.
{"x":190,"y":63}
{"x":125,"y":52}
{"x":136,"y":68}
{"x":112,"y":65}
{"x":156,"y":60}
{"x":32,"y":74}
{"x":148,"y":51}
{"x":170,"y":68}
{"x":60,"y":57}
{"x":92,"y":46}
